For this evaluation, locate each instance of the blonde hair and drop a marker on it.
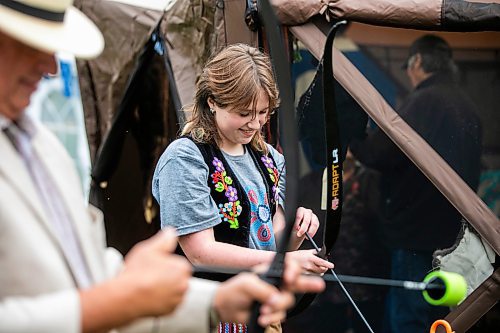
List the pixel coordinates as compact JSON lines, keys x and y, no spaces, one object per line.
{"x":234,"y":77}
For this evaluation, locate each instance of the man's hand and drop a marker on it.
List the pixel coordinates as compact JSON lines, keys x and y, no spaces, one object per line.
{"x":152,"y":283}
{"x":234,"y":298}
{"x":159,"y":277}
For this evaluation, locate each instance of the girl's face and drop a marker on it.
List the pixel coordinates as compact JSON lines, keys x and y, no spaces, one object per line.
{"x":238,"y":126}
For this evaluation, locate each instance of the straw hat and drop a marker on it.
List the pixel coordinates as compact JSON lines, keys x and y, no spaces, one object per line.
{"x":51,"y":26}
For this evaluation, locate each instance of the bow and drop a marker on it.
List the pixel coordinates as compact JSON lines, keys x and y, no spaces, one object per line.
{"x":334,"y":150}
{"x":335,"y":153}
{"x":290,"y":146}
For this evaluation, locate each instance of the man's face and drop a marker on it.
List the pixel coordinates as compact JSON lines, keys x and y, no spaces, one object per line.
{"x":21,"y":68}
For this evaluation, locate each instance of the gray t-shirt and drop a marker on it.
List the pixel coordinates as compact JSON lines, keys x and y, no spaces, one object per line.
{"x":180,"y":187}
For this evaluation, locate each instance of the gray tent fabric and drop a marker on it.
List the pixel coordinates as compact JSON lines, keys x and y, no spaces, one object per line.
{"x":189,"y":30}
{"x":471,"y":15}
{"x":196,"y":29}
{"x":102,"y":80}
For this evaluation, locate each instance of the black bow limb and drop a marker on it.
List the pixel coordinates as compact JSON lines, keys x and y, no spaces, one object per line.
{"x":335,"y":154}
{"x":290,"y":144}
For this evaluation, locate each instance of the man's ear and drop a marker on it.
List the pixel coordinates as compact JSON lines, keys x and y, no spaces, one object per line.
{"x":417,"y":63}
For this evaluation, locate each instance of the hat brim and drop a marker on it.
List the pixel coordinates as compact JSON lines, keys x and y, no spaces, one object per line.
{"x":77,"y":35}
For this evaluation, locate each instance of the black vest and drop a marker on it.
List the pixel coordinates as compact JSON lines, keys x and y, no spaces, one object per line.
{"x":229,"y":195}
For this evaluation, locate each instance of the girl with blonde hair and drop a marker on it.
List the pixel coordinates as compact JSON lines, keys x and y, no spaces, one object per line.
{"x":219,"y":183}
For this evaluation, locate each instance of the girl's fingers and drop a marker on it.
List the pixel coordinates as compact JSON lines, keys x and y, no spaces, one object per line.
{"x":303,"y":220}
{"x":304,"y":226}
{"x":313,"y":228}
{"x":306,"y":221}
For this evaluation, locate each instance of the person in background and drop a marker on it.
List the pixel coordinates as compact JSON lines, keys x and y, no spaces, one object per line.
{"x":56,"y":273}
{"x":221,"y":185}
{"x":416,"y":218}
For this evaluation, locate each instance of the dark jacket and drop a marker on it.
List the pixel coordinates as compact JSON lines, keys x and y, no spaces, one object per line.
{"x":415,"y":214}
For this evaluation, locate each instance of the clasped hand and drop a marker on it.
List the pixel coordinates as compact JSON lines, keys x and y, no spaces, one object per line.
{"x":161,"y":279}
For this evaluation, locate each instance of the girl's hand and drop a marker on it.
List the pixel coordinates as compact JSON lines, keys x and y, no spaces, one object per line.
{"x":309,"y":261}
{"x":306,"y":221}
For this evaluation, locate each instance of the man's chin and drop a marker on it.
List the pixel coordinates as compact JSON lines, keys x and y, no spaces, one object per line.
{"x":13,"y":112}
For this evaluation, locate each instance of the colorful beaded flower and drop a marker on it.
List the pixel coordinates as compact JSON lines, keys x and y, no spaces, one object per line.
{"x":228,"y":211}
{"x":273,"y":174}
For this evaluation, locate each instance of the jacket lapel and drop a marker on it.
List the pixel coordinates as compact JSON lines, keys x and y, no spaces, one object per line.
{"x":15,"y":172}
{"x":67,"y":184}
